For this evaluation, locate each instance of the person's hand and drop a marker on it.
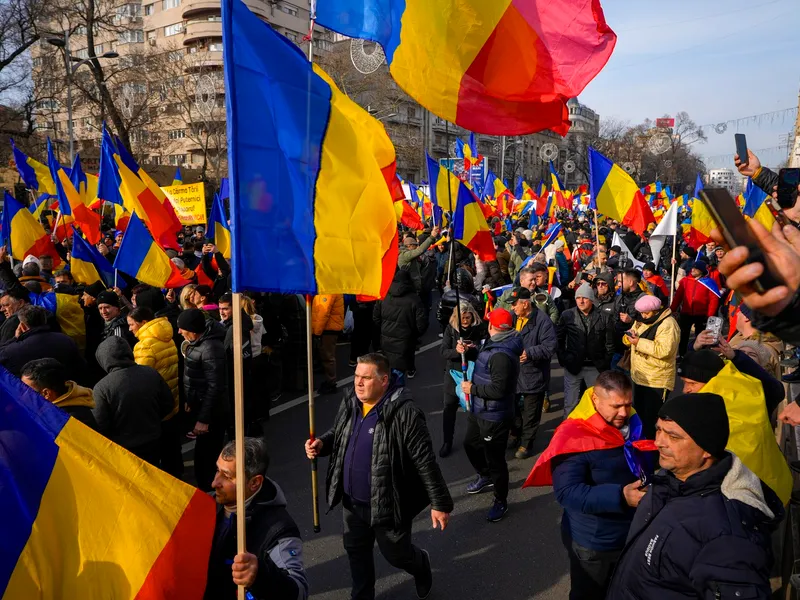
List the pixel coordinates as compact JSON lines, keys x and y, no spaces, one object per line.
{"x":674,"y":261}
{"x":724,"y":348}
{"x":3,"y":254}
{"x":245,"y":569}
{"x":102,"y":248}
{"x":571,"y":285}
{"x":783,"y":248}
{"x":117,"y":291}
{"x":523,"y":357}
{"x":313,"y":448}
{"x":625,"y":318}
{"x":633,"y":495}
{"x":461,"y":347}
{"x":705,"y":339}
{"x":439,"y":518}
{"x":171,"y":295}
{"x":753,"y":164}
{"x":790,"y":414}
{"x":200,"y":428}
{"x":466,"y":387}
{"x":435,"y":232}
{"x":633,"y":337}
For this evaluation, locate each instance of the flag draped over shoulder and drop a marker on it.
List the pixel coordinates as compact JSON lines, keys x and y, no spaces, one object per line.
{"x":503,"y":67}
{"x":23,"y":234}
{"x":584,"y":431}
{"x":616,"y":195}
{"x":85,"y":518}
{"x":311,"y":172}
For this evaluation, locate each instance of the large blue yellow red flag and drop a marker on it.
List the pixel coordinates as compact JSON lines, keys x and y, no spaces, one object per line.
{"x":24,"y":235}
{"x":35,"y":175}
{"x":702,"y":222}
{"x":109,"y":180}
{"x":312,"y":174}
{"x":755,"y":205}
{"x":141,"y":257}
{"x":87,"y":265}
{"x":469,"y":225}
{"x":74,"y":504}
{"x":616,"y":195}
{"x":70,"y":202}
{"x":504,"y":67}
{"x":443,"y":184}
{"x":218,"y":230}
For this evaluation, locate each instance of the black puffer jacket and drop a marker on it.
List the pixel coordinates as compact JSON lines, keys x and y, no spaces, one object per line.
{"x":625,"y":303}
{"x":402,"y":319}
{"x":205,"y":376}
{"x":118,"y":326}
{"x":405,"y":476}
{"x":578,"y":348}
{"x":476,"y":334}
{"x":766,"y":180}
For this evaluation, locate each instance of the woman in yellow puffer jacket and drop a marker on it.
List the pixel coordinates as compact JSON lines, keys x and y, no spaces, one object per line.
{"x":156,"y":348}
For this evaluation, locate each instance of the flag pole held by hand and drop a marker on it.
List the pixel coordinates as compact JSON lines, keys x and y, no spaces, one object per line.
{"x":311,"y":428}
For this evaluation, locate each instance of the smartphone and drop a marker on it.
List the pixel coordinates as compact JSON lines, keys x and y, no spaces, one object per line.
{"x":630,"y":333}
{"x":788,"y":180}
{"x":714,"y":325}
{"x":741,"y":147}
{"x":736,"y":232}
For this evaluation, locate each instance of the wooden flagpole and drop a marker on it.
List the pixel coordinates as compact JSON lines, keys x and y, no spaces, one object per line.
{"x":238,"y":390}
{"x":672,"y":277}
{"x":311,"y":415}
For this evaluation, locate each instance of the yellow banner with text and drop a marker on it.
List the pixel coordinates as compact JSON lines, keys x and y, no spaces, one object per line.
{"x":189,"y":202}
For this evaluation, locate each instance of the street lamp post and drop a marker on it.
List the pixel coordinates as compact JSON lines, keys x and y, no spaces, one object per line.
{"x":503,"y":147}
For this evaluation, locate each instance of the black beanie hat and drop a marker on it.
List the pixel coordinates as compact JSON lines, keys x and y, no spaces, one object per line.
{"x":95,"y":289}
{"x":690,"y":252}
{"x":192,"y":320}
{"x":151,"y":298}
{"x":700,"y":366}
{"x":108,"y":297}
{"x":649,"y":266}
{"x":703,"y":417}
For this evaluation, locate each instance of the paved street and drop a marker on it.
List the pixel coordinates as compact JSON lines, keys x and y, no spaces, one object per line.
{"x":517,"y":559}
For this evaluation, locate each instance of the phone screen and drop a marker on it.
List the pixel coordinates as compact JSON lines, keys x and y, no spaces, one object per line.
{"x":788,"y":180}
{"x":741,"y":147}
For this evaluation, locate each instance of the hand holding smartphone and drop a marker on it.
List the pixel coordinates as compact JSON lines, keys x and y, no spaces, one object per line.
{"x":741,"y":148}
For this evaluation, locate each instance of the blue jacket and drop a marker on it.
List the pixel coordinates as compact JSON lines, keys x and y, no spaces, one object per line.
{"x":540,"y":343}
{"x":495,"y":377}
{"x":588,"y":485}
{"x":707,"y":537}
{"x":563,"y":268}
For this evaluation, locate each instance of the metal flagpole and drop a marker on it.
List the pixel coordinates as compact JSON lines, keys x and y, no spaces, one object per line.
{"x":597,"y":236}
{"x":238,"y":391}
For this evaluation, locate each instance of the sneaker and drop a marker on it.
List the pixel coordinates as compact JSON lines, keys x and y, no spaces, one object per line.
{"x":424,"y":582}
{"x":480,"y":484}
{"x":498,"y":511}
{"x":793,"y":377}
{"x":445,"y":450}
{"x":411,"y":374}
{"x":522,"y":452}
{"x":327,"y":387}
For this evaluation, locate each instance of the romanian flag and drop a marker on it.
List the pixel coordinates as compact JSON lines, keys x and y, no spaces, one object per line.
{"x":312,"y":173}
{"x":87,"y":265}
{"x":469,"y":225}
{"x":25,"y":235}
{"x":70,"y":201}
{"x":141,"y":257}
{"x":218,"y":230}
{"x":502,"y":67}
{"x":37,"y":206}
{"x":616,"y":195}
{"x":85,"y":518}
{"x":702,"y":222}
{"x":35,"y":175}
{"x":541,"y":190}
{"x":177,"y":179}
{"x":444,"y":185}
{"x":406,"y":215}
{"x":584,"y":430}
{"x":755,"y":205}
{"x":85,"y":183}
{"x":121,"y":217}
{"x":563,"y":198}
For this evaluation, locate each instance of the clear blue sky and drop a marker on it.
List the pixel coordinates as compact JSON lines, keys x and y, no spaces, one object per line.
{"x":715,"y":59}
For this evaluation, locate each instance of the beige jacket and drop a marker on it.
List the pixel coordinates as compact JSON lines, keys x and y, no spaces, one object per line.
{"x":653,"y":362}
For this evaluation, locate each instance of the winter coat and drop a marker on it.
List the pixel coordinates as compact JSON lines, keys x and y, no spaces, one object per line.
{"x":588,"y":486}
{"x":78,"y":402}
{"x":405,"y":476}
{"x":540,"y":343}
{"x":707,"y":537}
{"x":785,"y":324}
{"x":258,"y":333}
{"x":653,"y":361}
{"x":695,"y":299}
{"x":418,"y":266}
{"x":402,"y":320}
{"x":156,"y":349}
{"x":493,"y":276}
{"x":273,"y":536}
{"x":579,"y":348}
{"x":118,"y":326}
{"x":205,"y":376}
{"x":476,"y":334}
{"x":327,"y":314}
{"x":518,"y":254}
{"x":625,"y":303}
{"x":564,"y":270}
{"x":131,"y":400}
{"x":494,"y":379}
{"x":766,"y":179}
{"x":503,"y":258}
{"x":41,"y":342}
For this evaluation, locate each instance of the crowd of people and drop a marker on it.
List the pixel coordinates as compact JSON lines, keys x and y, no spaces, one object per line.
{"x":152,"y":369}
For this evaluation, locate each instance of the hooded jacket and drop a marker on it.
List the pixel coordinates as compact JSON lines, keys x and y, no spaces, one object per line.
{"x":272,"y":536}
{"x":653,"y":359}
{"x":157,"y":349}
{"x":42,"y":342}
{"x":131,"y":400}
{"x":78,"y":402}
{"x":706,"y":537}
{"x":402,"y":320}
{"x":405,"y":476}
{"x":205,"y":376}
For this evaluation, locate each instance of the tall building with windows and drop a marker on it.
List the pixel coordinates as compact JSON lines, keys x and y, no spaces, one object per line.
{"x":726,"y":178}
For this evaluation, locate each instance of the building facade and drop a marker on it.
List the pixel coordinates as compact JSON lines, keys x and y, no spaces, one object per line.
{"x":726,"y":178}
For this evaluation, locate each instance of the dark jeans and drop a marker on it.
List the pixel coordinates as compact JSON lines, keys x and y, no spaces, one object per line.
{"x":526,"y":426}
{"x":647,"y":401}
{"x":206,"y":452}
{"x":359,"y":539}
{"x":170,"y":446}
{"x":485,"y":444}
{"x":589,"y":570}
{"x":450,"y":408}
{"x":686,"y":322}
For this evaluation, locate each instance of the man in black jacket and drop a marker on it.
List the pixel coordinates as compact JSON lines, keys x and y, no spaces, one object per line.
{"x":493,"y":393}
{"x":383,"y":470}
{"x":273,"y":569}
{"x":703,"y":528}
{"x":206,"y":390}
{"x":539,"y":344}
{"x":10,"y":303}
{"x":116,"y":323}
{"x":585,"y":345}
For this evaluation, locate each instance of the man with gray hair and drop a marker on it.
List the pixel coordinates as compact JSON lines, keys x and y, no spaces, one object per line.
{"x":273,"y":567}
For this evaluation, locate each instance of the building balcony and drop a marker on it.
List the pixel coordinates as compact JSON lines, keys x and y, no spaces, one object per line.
{"x":200,"y":30}
{"x":203,"y":59}
{"x":193,"y":8}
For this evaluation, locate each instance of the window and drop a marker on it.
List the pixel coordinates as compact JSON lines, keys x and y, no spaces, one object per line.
{"x":289,"y":10}
{"x":322,"y":44}
{"x":291,"y":36}
{"x":131,"y":36}
{"x":37,"y":62}
{"x":149,"y":9}
{"x":151,"y":35}
{"x":176,"y":159}
{"x":129,"y":10}
{"x":82,"y":53}
{"x":411,"y":111}
{"x":176,"y":134}
{"x":215,"y":18}
{"x":173,"y":29}
{"x":215,"y":47}
{"x":167,"y":4}
{"x":48,"y":104}
{"x":80,"y":30}
{"x":175,"y":55}
{"x":98,"y":49}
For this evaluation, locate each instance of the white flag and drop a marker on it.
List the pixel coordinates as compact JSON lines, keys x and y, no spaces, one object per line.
{"x":626,"y":252}
{"x":668,"y":227}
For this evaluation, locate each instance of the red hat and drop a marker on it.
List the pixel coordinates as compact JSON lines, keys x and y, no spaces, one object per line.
{"x":501,"y":319}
